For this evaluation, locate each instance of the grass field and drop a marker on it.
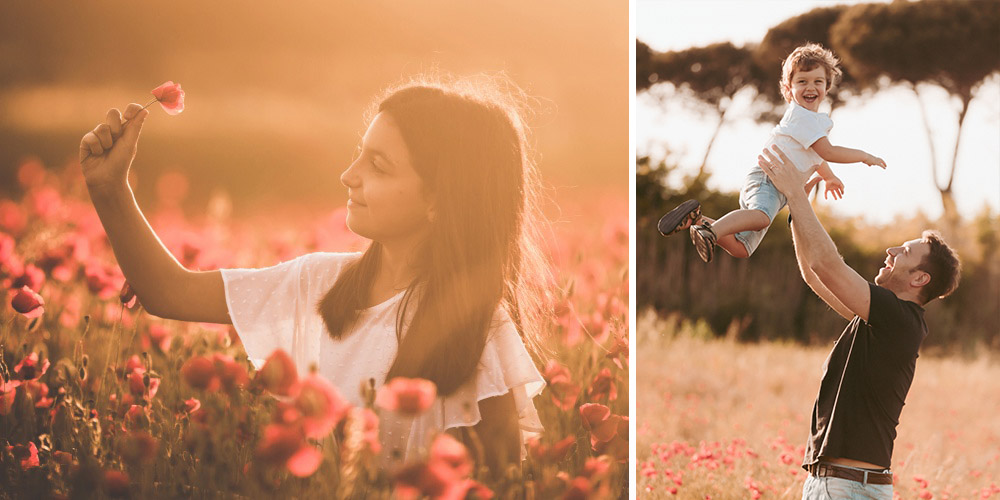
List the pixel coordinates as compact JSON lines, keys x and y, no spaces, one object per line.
{"x":719,"y":419}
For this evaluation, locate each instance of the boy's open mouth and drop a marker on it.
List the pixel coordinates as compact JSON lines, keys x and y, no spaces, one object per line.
{"x":809,"y":98}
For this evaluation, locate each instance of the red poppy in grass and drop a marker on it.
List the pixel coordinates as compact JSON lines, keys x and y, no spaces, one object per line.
{"x":7,"y":245}
{"x":26,"y":454}
{"x":39,"y":392}
{"x":230,"y":373}
{"x":600,"y":422}
{"x":617,"y":446}
{"x":305,"y":461}
{"x":409,"y":396}
{"x":579,"y":489}
{"x":278,"y":375}
{"x":321,"y":406}
{"x":191,"y":405}
{"x":564,"y":391}
{"x":12,"y":218}
{"x":159,"y":336}
{"x":170,"y":96}
{"x":619,"y":352}
{"x":447,"y":451}
{"x":286,"y":446}
{"x":8,"y":391}
{"x":596,"y":468}
{"x":136,"y":417}
{"x":603,"y":386}
{"x":416,"y":480}
{"x":199,"y":372}
{"x":28,"y":303}
{"x":134,"y":365}
{"x":552,"y":453}
{"x":115,"y":483}
{"x":29,"y":368}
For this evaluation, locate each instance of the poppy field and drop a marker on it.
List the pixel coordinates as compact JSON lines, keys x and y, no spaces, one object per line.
{"x":100,"y":399}
{"x":719,"y":419}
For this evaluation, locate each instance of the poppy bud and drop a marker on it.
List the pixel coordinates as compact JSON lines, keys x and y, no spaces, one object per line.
{"x":28,"y":303}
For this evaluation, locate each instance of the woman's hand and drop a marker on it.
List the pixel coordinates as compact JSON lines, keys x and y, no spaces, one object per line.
{"x":107,"y":151}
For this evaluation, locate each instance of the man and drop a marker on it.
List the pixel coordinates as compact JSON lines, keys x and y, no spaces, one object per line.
{"x":868,"y":373}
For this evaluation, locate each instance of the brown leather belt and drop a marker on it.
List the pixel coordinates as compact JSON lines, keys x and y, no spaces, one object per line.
{"x":821,"y":469}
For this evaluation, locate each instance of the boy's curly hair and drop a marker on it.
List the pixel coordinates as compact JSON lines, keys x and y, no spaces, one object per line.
{"x":805,"y":58}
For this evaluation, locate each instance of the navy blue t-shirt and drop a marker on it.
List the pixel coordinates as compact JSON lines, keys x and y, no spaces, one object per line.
{"x":856,"y":417}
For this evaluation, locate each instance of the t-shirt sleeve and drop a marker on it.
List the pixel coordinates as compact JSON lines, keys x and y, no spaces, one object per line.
{"x":267,"y":309}
{"x":805,"y":127}
{"x":891,"y":320}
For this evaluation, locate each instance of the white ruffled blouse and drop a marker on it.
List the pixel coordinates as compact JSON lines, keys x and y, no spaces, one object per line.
{"x":275,"y":307}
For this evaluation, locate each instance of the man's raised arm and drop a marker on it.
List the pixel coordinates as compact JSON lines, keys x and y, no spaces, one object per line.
{"x":848,"y":292}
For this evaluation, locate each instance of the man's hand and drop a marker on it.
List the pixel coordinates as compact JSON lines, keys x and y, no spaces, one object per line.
{"x":782,"y":172}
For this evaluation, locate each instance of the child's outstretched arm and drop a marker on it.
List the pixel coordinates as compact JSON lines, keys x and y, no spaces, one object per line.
{"x":840,"y":154}
{"x":164,"y":287}
{"x":833,"y":184}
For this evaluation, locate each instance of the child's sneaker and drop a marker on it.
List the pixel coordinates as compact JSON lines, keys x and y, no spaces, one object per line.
{"x":704,"y":239}
{"x":679,"y":218}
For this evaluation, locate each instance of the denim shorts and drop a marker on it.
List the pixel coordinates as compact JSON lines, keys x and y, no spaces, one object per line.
{"x":759,"y":194}
{"x":835,"y":488}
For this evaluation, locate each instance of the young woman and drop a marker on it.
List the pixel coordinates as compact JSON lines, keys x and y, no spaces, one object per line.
{"x":449,"y":289}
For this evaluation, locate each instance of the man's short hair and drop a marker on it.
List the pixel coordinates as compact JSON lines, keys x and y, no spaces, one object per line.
{"x":942,"y":264}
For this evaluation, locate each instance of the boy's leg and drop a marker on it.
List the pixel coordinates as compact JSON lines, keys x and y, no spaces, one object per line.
{"x":734,"y":222}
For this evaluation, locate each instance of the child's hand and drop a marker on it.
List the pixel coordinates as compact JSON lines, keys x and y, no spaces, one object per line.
{"x":106,"y":152}
{"x":835,"y":187}
{"x":812,"y":183}
{"x":872,"y":160}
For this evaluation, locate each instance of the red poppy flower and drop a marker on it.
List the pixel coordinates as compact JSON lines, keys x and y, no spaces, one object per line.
{"x":159,"y":336}
{"x":199,"y":372}
{"x":170,"y":97}
{"x":321,"y":406}
{"x":603,"y":386}
{"x":619,"y":352}
{"x":278,"y":375}
{"x":564,"y":391}
{"x":409,"y":396}
{"x":579,"y":489}
{"x":31,"y":277}
{"x":550,"y":453}
{"x":28,"y":303}
{"x":29,"y":367}
{"x":191,"y":405}
{"x":448,"y":451}
{"x":39,"y":392}
{"x":286,"y":446}
{"x":600,"y":422}
{"x":26,"y":454}
{"x":416,"y":480}
{"x":230,"y":373}
{"x":134,"y":365}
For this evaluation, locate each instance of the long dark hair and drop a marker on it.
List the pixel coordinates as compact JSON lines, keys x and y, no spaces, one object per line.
{"x":468,"y":143}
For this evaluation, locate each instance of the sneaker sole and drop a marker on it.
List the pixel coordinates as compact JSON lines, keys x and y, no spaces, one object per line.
{"x":705,"y":249}
{"x":674,"y":219}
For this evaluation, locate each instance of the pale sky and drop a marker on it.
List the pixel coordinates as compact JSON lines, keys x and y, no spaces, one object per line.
{"x":887,"y":124}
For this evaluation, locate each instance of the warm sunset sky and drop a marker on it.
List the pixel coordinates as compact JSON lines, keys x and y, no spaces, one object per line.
{"x":887,"y":124}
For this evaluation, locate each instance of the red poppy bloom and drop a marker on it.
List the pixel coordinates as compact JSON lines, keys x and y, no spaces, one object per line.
{"x":39,"y":392}
{"x":199,"y":372}
{"x":448,"y":451}
{"x":564,"y":391}
{"x":286,"y":446}
{"x":552,"y":453}
{"x":159,"y":336}
{"x":231,"y":374}
{"x":134,"y":365}
{"x":26,"y":454}
{"x":191,"y":405}
{"x":29,"y":367}
{"x":170,"y":96}
{"x":600,"y":422}
{"x":619,"y":352}
{"x":139,"y":448}
{"x":409,"y":396}
{"x":28,"y":303}
{"x":278,"y":375}
{"x":603,"y":386}
{"x":31,"y":277}
{"x":321,"y":406}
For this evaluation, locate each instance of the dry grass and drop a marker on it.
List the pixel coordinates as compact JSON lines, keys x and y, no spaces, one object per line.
{"x":718,"y":419}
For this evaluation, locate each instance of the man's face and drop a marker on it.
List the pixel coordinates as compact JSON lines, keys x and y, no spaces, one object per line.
{"x":900,"y":272}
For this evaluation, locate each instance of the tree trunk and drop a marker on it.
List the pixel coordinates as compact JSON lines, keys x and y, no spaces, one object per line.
{"x":708,"y":149}
{"x":951,"y":214}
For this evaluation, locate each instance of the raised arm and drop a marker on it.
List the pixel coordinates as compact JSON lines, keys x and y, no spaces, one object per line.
{"x":809,"y":276}
{"x":164,"y":287}
{"x":840,"y":154}
{"x":814,"y":245}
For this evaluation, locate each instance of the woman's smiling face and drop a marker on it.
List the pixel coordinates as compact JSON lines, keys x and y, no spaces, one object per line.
{"x":387,"y":199}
